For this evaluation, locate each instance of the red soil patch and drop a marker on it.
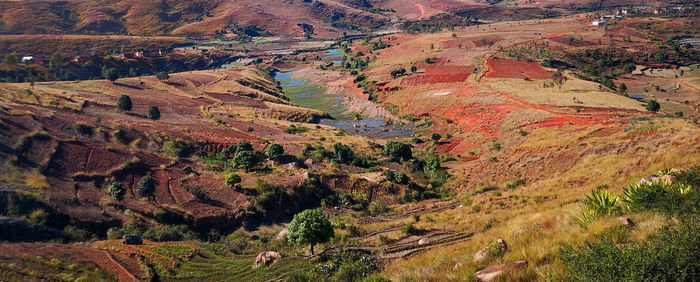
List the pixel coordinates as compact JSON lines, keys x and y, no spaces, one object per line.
{"x":438,"y":72}
{"x":485,"y":120}
{"x":129,"y":270}
{"x":507,"y":68}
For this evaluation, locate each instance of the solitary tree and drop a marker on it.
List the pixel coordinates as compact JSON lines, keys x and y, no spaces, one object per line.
{"x":232,"y":179}
{"x":245,"y":160}
{"x":342,"y":153}
{"x":558,"y":79}
{"x":629,"y":68}
{"x":310,"y":227}
{"x":622,"y":88}
{"x":124,"y":103}
{"x":117,"y":190}
{"x":162,"y":76}
{"x":653,"y":106}
{"x":435,"y":138}
{"x":413,"y":69}
{"x":274,"y":150}
{"x":398,"y":150}
{"x":146,"y":186}
{"x":111,"y":74}
{"x":153,"y":112}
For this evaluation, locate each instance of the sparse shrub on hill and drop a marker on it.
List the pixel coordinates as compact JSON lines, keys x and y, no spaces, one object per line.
{"x":653,"y":106}
{"x":376,"y":208}
{"x":343,"y":153}
{"x":293,"y":129}
{"x":146,"y":186}
{"x":232,"y":179}
{"x":397,"y":150}
{"x":111,"y":74}
{"x":153,"y":113}
{"x":124,"y":103}
{"x":117,"y":190}
{"x":167,"y":233}
{"x":401,"y":178}
{"x":162,"y":76}
{"x":515,"y":184}
{"x":435,"y":137}
{"x":273,"y":150}
{"x":310,"y":227}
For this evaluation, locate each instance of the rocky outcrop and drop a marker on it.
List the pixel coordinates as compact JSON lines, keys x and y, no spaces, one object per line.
{"x":266,"y":258}
{"x":490,"y":273}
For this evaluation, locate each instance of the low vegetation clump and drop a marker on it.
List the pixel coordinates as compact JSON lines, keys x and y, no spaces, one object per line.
{"x":232,"y":179}
{"x":124,"y":103}
{"x":146,"y":186}
{"x":294,"y":129}
{"x":669,"y":255}
{"x":153,"y":113}
{"x":117,"y":190}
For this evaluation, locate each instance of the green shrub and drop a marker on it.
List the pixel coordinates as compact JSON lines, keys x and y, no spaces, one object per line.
{"x":153,"y":113}
{"x":653,"y":106}
{"x":376,"y":208}
{"x":483,"y":189}
{"x":401,"y":178}
{"x":124,"y":103}
{"x":273,"y":150}
{"x":342,"y":153}
{"x":117,"y":190}
{"x":166,"y":233}
{"x":245,"y":160}
{"x":397,"y":150}
{"x":232,"y":179}
{"x":146,"y":186}
{"x":515,"y":184}
{"x":670,"y":255}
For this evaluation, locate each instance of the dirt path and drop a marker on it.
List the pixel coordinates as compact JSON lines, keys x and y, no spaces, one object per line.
{"x":122,"y":273}
{"x":420,"y":9}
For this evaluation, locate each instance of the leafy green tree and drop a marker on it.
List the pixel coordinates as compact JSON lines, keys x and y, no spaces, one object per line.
{"x":232,"y":179}
{"x":146,"y":186}
{"x":435,"y":137}
{"x":236,"y":148}
{"x":310,"y":227}
{"x":398,"y":150}
{"x":607,"y":82}
{"x":117,"y":190}
{"x":653,"y":106}
{"x":112,"y":74}
{"x":245,"y":160}
{"x":629,"y":68}
{"x":274,"y":150}
{"x":413,"y":69}
{"x":342,"y":153}
{"x":153,"y":112}
{"x":124,"y":103}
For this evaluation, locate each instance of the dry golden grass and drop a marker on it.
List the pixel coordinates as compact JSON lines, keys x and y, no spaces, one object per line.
{"x":548,"y":223}
{"x":35,"y":181}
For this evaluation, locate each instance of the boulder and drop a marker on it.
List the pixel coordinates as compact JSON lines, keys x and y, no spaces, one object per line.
{"x":423,"y":241}
{"x":625,"y":221}
{"x":490,"y":273}
{"x":266,"y":258}
{"x":292,"y":166}
{"x":309,"y":162}
{"x":131,"y":239}
{"x":499,"y":245}
{"x":281,"y":234}
{"x":306,"y":175}
{"x":648,"y":180}
{"x":17,"y":230}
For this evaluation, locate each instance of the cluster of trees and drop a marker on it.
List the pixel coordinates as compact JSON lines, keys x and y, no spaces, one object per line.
{"x":99,"y":67}
{"x":437,"y":23}
{"x":124,"y":104}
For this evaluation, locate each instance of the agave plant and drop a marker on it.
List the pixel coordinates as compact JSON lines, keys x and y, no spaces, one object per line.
{"x":602,"y":202}
{"x":666,"y":171}
{"x":587,"y":216}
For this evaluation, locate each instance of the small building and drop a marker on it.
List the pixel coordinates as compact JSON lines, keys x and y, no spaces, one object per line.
{"x":27,"y":59}
{"x":597,"y":23}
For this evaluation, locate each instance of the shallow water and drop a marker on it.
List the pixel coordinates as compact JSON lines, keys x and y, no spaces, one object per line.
{"x":312,"y":96}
